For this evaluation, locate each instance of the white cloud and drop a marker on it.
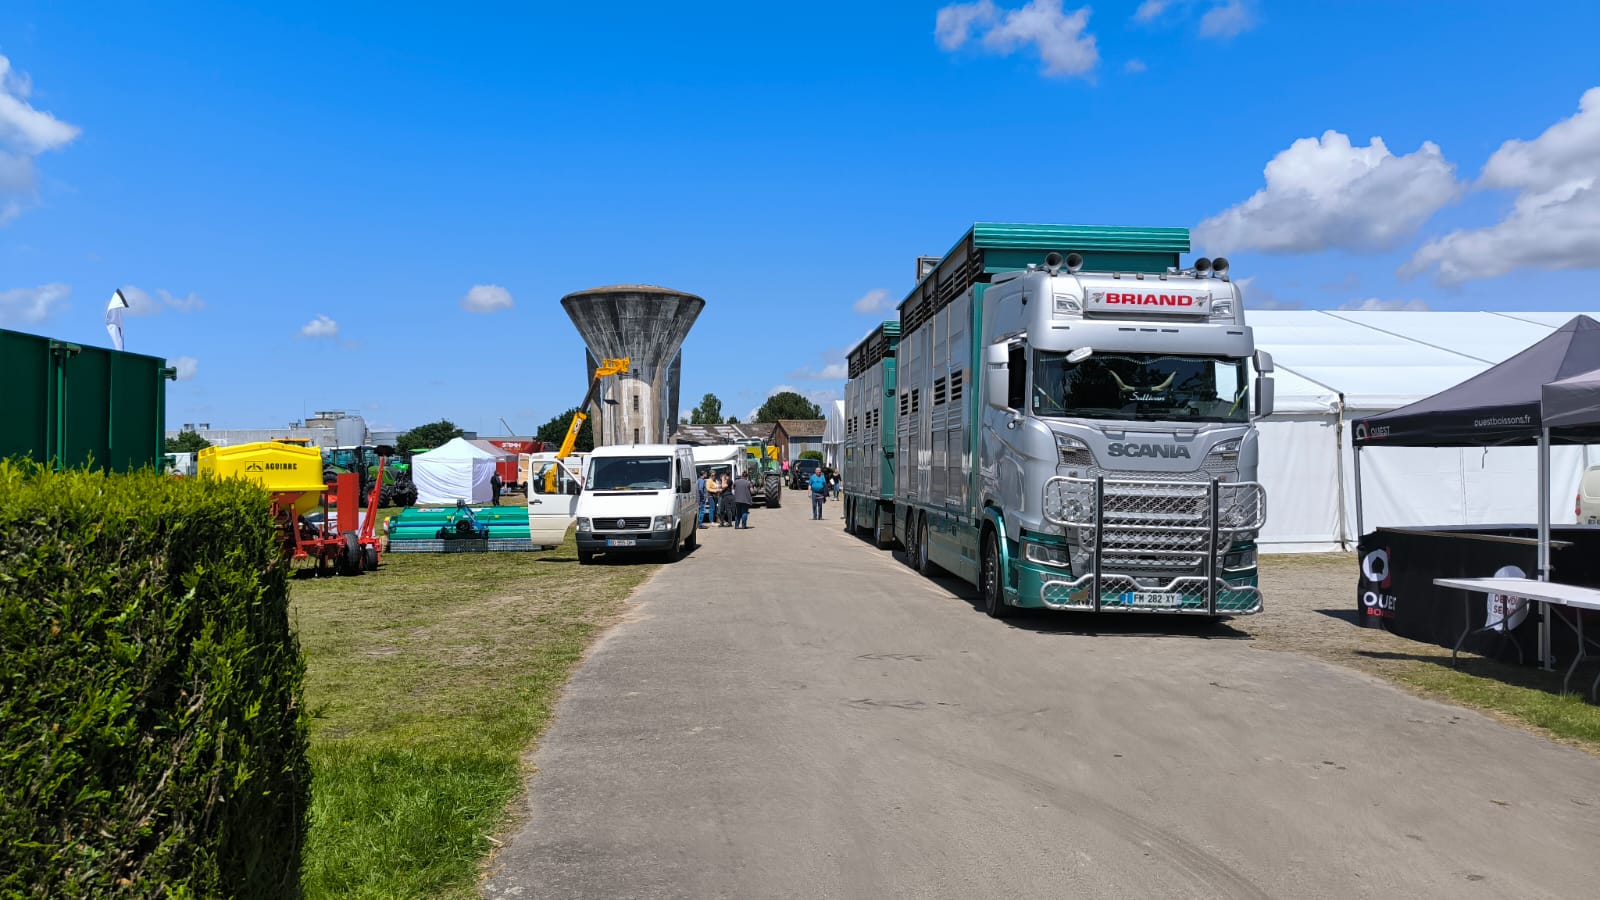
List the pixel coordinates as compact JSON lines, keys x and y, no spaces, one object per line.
{"x":1225,"y":20}
{"x":1134,"y":65}
{"x":1261,"y":297}
{"x":486,"y":298}
{"x":25,"y":133}
{"x":143,"y":303}
{"x":873,"y":301}
{"x":1059,"y":37}
{"x":320,"y":327}
{"x":1324,"y":194}
{"x":26,"y":306}
{"x":186,"y":366}
{"x":1373,"y":303}
{"x":1150,"y":10}
{"x":1554,"y":223}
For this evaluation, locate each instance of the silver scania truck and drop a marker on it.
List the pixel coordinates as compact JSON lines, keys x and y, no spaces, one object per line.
{"x":1072,"y":424}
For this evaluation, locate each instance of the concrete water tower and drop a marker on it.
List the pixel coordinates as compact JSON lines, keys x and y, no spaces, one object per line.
{"x":647,"y":324}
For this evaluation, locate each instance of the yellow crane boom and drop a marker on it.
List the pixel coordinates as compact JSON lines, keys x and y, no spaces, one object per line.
{"x":607,"y":367}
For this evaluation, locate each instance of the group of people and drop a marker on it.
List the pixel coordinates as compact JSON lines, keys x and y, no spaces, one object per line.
{"x":726,"y":496}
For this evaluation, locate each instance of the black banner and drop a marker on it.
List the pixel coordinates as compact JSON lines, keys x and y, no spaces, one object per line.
{"x":1395,"y":589}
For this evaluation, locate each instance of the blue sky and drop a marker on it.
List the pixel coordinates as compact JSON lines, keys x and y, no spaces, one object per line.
{"x":304,"y":197}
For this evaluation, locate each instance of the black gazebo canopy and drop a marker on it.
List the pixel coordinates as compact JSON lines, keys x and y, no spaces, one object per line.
{"x":1499,"y":406}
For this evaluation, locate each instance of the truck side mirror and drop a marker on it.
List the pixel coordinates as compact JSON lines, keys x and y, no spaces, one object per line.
{"x":996,"y":375}
{"x":1263,"y":362}
{"x":1264,"y":394}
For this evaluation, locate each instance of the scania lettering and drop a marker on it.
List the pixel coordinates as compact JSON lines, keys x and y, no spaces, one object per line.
{"x":1068,"y":424}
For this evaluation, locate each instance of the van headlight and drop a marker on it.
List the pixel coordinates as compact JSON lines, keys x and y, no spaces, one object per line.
{"x":663,"y":523}
{"x":584,"y":524}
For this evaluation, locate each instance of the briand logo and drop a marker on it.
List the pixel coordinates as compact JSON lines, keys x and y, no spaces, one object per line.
{"x":1126,"y":299}
{"x":1169,"y":451}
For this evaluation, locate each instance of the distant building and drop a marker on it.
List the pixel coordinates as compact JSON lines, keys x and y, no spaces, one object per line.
{"x":803,"y":435}
{"x":328,"y":428}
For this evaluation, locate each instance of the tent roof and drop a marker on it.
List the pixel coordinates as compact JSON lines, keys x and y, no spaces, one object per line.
{"x":1498,"y":406}
{"x":1379,"y":360}
{"x":458,"y":448}
{"x":1573,"y":402}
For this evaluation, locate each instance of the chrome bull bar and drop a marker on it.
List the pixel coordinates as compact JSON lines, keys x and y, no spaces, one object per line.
{"x":1153,"y":545}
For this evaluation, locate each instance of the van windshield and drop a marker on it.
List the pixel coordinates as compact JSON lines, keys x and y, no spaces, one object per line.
{"x":629,"y":473}
{"x":1141,"y":386}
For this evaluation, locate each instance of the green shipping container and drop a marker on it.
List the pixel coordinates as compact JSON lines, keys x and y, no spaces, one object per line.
{"x":65,"y":404}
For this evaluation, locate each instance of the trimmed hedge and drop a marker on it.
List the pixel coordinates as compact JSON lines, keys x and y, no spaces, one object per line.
{"x":152,"y":736}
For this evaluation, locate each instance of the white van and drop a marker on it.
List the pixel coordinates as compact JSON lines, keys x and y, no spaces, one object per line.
{"x":1589,"y":497}
{"x":637,"y":498}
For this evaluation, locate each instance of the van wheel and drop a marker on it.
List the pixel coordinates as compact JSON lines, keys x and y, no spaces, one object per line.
{"x":585,"y":557}
{"x":693,"y":540}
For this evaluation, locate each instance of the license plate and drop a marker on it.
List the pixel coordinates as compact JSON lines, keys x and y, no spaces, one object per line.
{"x":1159,"y":599}
{"x":621,"y":542}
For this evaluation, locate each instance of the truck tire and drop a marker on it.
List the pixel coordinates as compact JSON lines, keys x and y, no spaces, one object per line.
{"x":878,"y":530}
{"x":774,"y":485}
{"x":924,"y":563}
{"x":910,"y":542}
{"x":991,"y":586}
{"x":849,"y":516}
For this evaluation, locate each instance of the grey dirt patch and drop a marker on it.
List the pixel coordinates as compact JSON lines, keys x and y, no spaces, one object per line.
{"x":826,"y":723}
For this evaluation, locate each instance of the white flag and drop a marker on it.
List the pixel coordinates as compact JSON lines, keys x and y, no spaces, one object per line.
{"x":114,"y":317}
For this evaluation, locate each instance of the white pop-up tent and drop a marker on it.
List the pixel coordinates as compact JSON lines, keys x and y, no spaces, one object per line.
{"x":455,"y":471}
{"x":1334,"y":367}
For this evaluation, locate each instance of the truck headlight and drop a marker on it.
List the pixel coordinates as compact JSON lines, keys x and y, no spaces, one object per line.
{"x":663,"y":523}
{"x":1239,"y":559}
{"x":1221,"y":310}
{"x":1046,"y":554}
{"x":1074,"y":452}
{"x":1222,"y":463}
{"x":584,"y":524}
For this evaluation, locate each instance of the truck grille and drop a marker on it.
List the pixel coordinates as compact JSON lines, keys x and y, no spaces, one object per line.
{"x":1154,"y":530}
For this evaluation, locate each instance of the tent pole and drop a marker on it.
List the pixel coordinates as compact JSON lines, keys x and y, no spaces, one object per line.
{"x":1360,"y":524}
{"x":1544,"y":543}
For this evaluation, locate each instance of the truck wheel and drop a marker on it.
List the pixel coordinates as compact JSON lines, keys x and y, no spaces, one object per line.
{"x":878,"y":530}
{"x":585,"y":557}
{"x":774,"y":485}
{"x":911,"y":540}
{"x":990,"y":584}
{"x":924,"y":565}
{"x":849,"y":516}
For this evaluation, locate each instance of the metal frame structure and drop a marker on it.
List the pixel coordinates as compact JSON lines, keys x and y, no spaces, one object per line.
{"x":1176,"y":531}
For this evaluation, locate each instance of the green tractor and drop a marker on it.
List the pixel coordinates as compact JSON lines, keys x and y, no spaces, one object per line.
{"x":765,"y":472}
{"x":397,"y":488}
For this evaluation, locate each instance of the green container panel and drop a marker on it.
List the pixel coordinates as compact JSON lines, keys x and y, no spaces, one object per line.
{"x":67,"y":405}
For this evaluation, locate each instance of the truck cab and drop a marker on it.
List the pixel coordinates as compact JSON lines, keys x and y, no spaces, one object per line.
{"x":1122,"y":401}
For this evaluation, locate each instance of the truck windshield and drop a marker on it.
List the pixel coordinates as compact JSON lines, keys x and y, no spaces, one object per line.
{"x":1140,"y":387}
{"x":630,"y":473}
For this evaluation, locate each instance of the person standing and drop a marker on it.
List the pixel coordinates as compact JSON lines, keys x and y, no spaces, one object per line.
{"x":742,"y":499}
{"x":714,"y":497}
{"x":700,"y":498}
{"x":494,"y":488}
{"x":819,"y":492}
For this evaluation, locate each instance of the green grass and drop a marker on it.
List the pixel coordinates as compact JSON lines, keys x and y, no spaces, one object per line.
{"x":1569,"y":716}
{"x":427,"y":682}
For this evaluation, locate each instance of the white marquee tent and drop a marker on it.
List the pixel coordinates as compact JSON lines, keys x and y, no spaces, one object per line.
{"x":1336,"y":366}
{"x":455,"y":471}
{"x":833,"y":434}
